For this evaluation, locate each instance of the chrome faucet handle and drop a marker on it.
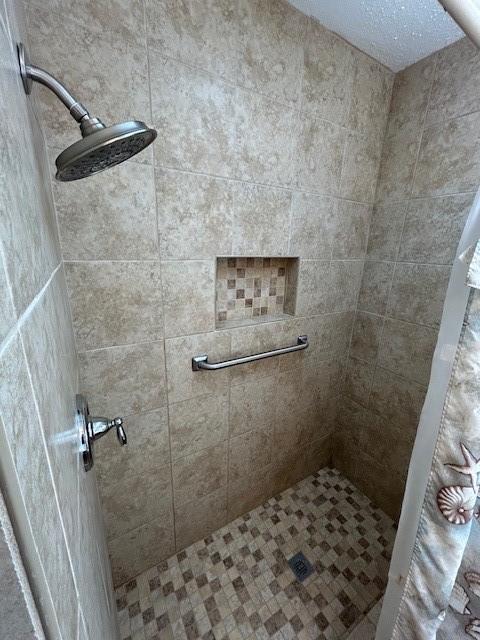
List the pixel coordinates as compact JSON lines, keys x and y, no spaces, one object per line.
{"x":98,"y":427}
{"x":121,"y":434}
{"x":92,"y":428}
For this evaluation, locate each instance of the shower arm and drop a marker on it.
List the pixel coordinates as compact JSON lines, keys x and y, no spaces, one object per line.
{"x":30,"y":74}
{"x":77,"y":110}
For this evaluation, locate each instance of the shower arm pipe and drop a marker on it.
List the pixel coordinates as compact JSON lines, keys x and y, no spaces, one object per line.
{"x":466,"y":14}
{"x":30,"y":73}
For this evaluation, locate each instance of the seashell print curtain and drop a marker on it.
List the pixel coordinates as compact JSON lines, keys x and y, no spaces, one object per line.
{"x":434,"y":582}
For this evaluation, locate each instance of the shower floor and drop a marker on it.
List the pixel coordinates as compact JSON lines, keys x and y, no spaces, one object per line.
{"x":237,"y":584}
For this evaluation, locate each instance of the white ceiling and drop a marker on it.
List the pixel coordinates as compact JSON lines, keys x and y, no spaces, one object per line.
{"x":395,"y":32}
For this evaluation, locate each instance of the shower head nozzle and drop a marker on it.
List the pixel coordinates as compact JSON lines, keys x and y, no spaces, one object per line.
{"x":100,"y":147}
{"x":103,"y":148}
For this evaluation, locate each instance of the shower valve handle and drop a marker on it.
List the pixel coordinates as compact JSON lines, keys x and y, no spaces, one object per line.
{"x":98,"y":427}
{"x":121,"y":435}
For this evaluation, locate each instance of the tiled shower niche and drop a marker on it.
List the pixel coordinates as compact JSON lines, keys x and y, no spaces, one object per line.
{"x":251,"y":290}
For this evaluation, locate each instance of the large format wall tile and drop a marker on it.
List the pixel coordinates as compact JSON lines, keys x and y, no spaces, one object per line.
{"x":361,"y":163}
{"x":313,"y":294}
{"x":115,"y":302}
{"x":255,"y":339}
{"x":433,"y":227}
{"x":199,"y":474}
{"x":407,"y":349}
{"x":197,"y":519}
{"x":327,"y":75}
{"x":17,"y":620}
{"x":198,"y":424}
{"x":449,"y":160}
{"x":319,"y":155}
{"x":418,"y":293}
{"x":249,"y":451}
{"x":141,"y":548}
{"x":24,"y":430}
{"x":183,"y":383}
{"x":195,"y":117}
{"x":358,"y":380}
{"x":109,"y":217}
{"x":261,"y":221}
{"x":271,"y":48}
{"x":345,"y":280}
{"x":50,"y":352}
{"x":188,"y":298}
{"x":205,"y":34}
{"x":397,"y":399}
{"x":399,"y":160}
{"x":7,"y":312}
{"x":265,"y":135}
{"x":366,"y":336}
{"x":252,"y":405}
{"x":250,"y":490}
{"x":124,"y":380}
{"x":372,"y":87}
{"x":329,"y":337}
{"x":148,"y":448}
{"x":351,"y":235}
{"x":376,"y":284}
{"x":126,"y":504}
{"x":455,"y":89}
{"x":314,"y":223}
{"x":386,"y":231}
{"x":194,"y":215}
{"x":410,"y":96}
{"x":27,"y":225}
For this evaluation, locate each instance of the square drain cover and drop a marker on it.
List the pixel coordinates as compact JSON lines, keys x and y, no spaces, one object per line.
{"x":300,"y":566}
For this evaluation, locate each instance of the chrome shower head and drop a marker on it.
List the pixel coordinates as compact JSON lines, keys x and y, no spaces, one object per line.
{"x":101,"y":147}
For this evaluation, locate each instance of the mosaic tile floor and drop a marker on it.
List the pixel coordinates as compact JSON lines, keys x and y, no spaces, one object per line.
{"x":236,"y":583}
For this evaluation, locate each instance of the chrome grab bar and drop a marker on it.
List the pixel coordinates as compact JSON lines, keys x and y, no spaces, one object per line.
{"x":201,"y":362}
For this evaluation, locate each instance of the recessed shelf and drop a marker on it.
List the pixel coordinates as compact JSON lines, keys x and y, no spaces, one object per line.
{"x":254,"y":290}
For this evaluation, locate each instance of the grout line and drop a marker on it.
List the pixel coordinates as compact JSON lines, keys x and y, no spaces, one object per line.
{"x":28,"y":311}
{"x":386,"y":316}
{"x":49,"y":466}
{"x":108,"y":260}
{"x":411,"y":264}
{"x":446,"y":121}
{"x":30,"y":534}
{"x":293,"y":187}
{"x":166,"y":376}
{"x":382,"y":139}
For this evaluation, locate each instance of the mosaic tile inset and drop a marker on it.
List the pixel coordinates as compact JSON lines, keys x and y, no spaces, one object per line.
{"x":250,"y":287}
{"x":236,"y":584}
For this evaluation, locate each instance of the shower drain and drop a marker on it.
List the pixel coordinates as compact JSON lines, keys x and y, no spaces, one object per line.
{"x":300,"y":566}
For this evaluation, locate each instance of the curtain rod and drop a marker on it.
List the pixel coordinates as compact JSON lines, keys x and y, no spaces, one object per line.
{"x":466,"y":14}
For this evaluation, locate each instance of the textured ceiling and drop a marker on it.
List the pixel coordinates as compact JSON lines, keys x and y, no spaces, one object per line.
{"x":395,"y":32}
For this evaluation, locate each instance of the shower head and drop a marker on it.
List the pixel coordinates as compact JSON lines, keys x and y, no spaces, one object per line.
{"x":101,"y":147}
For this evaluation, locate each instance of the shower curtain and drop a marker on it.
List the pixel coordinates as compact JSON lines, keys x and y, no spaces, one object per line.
{"x":434,"y":580}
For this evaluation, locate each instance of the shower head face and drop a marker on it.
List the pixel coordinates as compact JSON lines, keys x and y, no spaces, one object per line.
{"x":102,"y":149}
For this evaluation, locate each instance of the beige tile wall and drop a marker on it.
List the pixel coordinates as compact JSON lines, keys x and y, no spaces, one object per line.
{"x":269,"y":138}
{"x":430,"y":170}
{"x":18,"y":614}
{"x":52,"y":503}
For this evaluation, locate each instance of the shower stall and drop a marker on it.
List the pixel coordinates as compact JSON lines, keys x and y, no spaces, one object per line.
{"x":258,"y":296}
